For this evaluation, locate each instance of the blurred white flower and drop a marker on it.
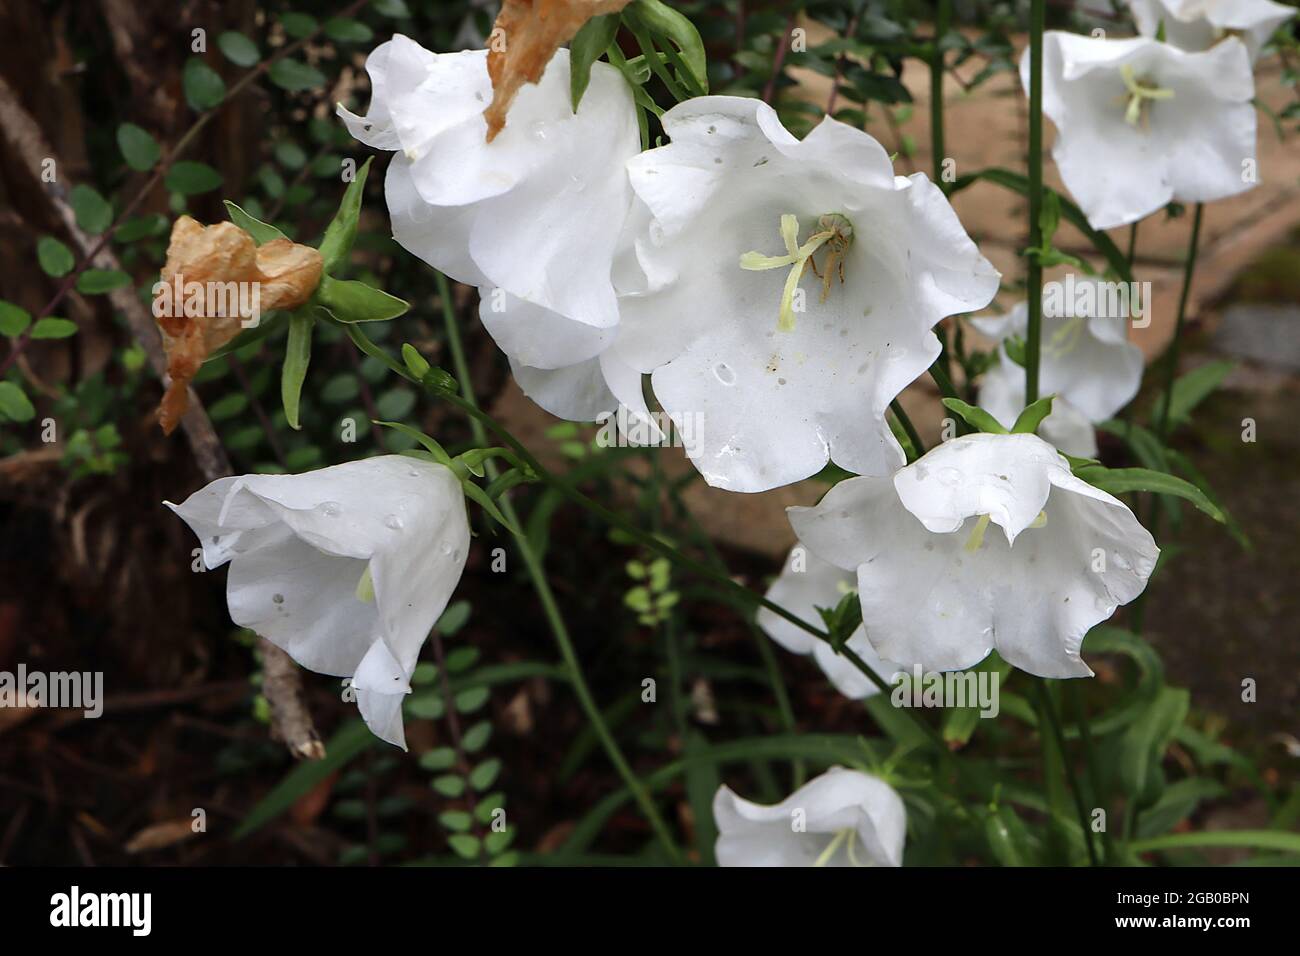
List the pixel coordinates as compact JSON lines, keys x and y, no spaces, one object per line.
{"x":842,"y":818}
{"x":533,"y":219}
{"x":1199,"y":24}
{"x":1086,"y":361}
{"x":1140,"y":123}
{"x":937,"y":590}
{"x":784,"y":375}
{"x":346,"y":568}
{"x":806,"y":583}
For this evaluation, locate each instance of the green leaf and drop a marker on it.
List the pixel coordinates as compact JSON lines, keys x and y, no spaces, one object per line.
{"x":99,"y":281}
{"x":306,"y":776}
{"x":262,"y":232}
{"x":449,"y":785}
{"x":662,"y":20}
{"x":297,"y":355}
{"x":477,"y":736}
{"x":976,"y":418}
{"x":14,"y":403}
{"x":92,"y":210}
{"x":431,"y":445}
{"x":342,"y":230}
{"x":461,"y":659}
{"x":290,"y":154}
{"x":1144,"y":742}
{"x":457,"y":821}
{"x":52,"y":328}
{"x":485,"y":774}
{"x":415,"y":362}
{"x":140,"y":150}
{"x":1029,"y":420}
{"x":396,"y":9}
{"x":438,"y":759}
{"x":344,"y":30}
{"x":350,"y":300}
{"x":1177,"y":803}
{"x":1193,"y":388}
{"x":468,"y":701}
{"x":55,"y":258}
{"x":453,"y":619}
{"x":1118,"y":481}
{"x":238,"y":49}
{"x":204,"y":87}
{"x":295,"y":76}
{"x":465,"y":845}
{"x":13,"y":320}
{"x":297,"y":25}
{"x":190,"y":178}
{"x":1251,"y":839}
{"x":586,"y":48}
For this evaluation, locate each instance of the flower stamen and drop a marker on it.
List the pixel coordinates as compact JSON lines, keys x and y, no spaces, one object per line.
{"x":1142,"y":92}
{"x":976,"y":539}
{"x":828,"y":853}
{"x":366,"y":587}
{"x":835,"y":232}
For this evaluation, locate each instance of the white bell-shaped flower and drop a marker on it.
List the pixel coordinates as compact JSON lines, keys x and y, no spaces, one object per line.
{"x":841,"y":818}
{"x":1086,"y":361}
{"x":1199,"y":24}
{"x":346,"y":568}
{"x":1140,"y":123}
{"x":806,"y":583}
{"x":792,"y":286}
{"x":940,"y":589}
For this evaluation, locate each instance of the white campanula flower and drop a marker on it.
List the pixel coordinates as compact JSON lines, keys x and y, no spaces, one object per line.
{"x":346,"y":568}
{"x":792,"y":286}
{"x":806,"y":583}
{"x":1199,"y":24}
{"x":940,"y":588}
{"x":1140,"y":123}
{"x":533,"y":218}
{"x":841,"y":818}
{"x":1086,"y":361}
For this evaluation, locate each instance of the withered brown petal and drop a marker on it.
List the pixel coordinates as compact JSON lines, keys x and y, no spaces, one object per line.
{"x":286,"y":274}
{"x":525,"y":37}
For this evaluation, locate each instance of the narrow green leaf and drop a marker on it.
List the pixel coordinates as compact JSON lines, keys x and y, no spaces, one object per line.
{"x":432,"y":445}
{"x":976,"y":418}
{"x":663,"y":21}
{"x":140,"y":150}
{"x":262,"y":232}
{"x":336,"y":246}
{"x":1193,"y":388}
{"x":586,"y":48}
{"x":1118,"y":481}
{"x":1029,"y":420}
{"x":1144,"y":742}
{"x":297,"y":355}
{"x":1250,"y":839}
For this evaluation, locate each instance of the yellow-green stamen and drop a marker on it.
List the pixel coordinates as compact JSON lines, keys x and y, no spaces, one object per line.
{"x":829,"y":852}
{"x":976,"y":539}
{"x":1142,"y":92}
{"x":835,"y":231}
{"x":1064,"y":339}
{"x":366,"y":587}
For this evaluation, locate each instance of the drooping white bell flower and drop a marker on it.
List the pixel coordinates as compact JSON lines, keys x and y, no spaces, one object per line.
{"x":536,"y":212}
{"x":939,"y":590}
{"x":346,"y":568}
{"x":1140,"y":123}
{"x":806,"y":583}
{"x":791,"y":290}
{"x":1086,"y":361}
{"x":1199,"y":24}
{"x":841,"y":818}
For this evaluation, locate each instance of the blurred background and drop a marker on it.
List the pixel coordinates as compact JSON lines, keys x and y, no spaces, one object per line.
{"x":95,"y":575}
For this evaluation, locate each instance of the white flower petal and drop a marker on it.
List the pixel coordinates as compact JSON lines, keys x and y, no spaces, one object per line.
{"x":799,"y":830}
{"x":1199,"y":24}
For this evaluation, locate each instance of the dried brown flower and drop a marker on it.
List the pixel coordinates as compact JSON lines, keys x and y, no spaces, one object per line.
{"x":216,"y":278}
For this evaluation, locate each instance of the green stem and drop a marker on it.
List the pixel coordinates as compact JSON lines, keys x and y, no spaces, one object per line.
{"x":943,"y":16}
{"x":1132,"y":244}
{"x":1089,"y":758}
{"x":1034,"y":278}
{"x":537,"y":575}
{"x":917,"y":447}
{"x":1047,"y":711}
{"x":1171,"y":360}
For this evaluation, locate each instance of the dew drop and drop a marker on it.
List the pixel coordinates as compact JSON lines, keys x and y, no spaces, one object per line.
{"x":539,"y":130}
{"x":393,"y":522}
{"x":331,"y":509}
{"x":724,"y":373}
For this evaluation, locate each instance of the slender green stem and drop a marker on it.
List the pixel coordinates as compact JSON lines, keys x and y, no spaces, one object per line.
{"x":1171,"y":360}
{"x":1089,"y":758}
{"x":912,"y":435}
{"x":554,"y":618}
{"x":943,"y":16}
{"x":1034,"y":278}
{"x":1047,"y":710}
{"x":1132,"y":244}
{"x":941,"y":378}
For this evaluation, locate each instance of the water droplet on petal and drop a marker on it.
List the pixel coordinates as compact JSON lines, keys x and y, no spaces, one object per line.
{"x":331,"y":509}
{"x":539,"y":130}
{"x":393,"y":522}
{"x":724,"y":373}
